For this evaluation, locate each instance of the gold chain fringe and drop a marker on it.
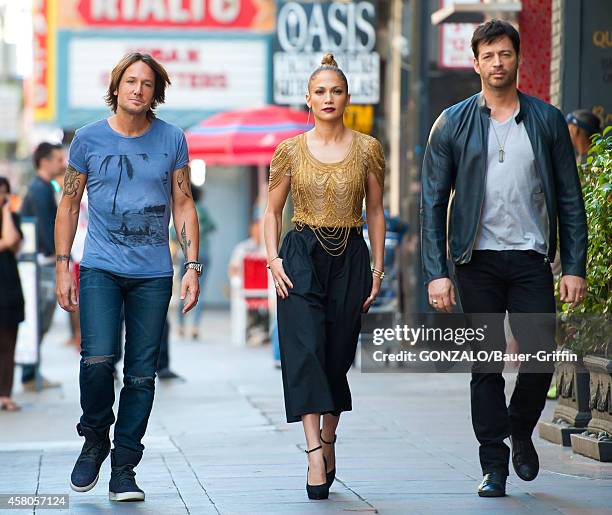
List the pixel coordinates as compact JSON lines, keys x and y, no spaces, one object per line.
{"x":328,"y":197}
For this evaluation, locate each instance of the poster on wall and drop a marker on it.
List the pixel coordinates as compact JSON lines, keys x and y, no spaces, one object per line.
{"x":43,"y":48}
{"x":455,"y":50}
{"x":306,"y":31}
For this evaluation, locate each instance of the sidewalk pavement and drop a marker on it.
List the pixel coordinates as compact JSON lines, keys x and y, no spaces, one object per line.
{"x":218,"y":443}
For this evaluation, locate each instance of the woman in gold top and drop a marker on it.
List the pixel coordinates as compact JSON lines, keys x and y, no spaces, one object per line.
{"x":322,"y":272}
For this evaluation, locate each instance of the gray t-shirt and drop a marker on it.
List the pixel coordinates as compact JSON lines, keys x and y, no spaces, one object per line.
{"x":514,"y":215}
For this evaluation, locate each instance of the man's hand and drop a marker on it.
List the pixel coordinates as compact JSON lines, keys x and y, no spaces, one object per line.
{"x":65,"y":290}
{"x":441,"y":294}
{"x":191,"y":286}
{"x":572,"y":289}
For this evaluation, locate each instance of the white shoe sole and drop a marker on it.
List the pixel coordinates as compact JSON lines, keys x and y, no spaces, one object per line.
{"x":84,"y":488}
{"x":126,"y":496}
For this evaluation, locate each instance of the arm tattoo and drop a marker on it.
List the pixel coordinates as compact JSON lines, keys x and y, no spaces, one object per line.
{"x":183,"y":180}
{"x":72,"y":181}
{"x":61,"y":258}
{"x":185,"y":243}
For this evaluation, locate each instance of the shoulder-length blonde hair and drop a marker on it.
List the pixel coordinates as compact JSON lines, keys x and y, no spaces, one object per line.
{"x":162,"y":81}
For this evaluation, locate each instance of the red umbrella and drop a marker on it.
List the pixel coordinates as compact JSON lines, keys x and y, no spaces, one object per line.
{"x":244,"y":136}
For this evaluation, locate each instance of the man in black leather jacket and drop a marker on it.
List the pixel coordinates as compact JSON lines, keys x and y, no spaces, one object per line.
{"x":507,"y":162}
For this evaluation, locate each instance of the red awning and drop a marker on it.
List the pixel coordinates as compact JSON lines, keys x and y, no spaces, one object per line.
{"x":245,"y":136}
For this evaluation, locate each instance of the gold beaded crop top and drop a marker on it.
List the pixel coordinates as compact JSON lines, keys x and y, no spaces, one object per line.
{"x":328,"y":195}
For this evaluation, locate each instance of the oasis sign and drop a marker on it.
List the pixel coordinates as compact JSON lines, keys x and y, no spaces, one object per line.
{"x":305,"y":31}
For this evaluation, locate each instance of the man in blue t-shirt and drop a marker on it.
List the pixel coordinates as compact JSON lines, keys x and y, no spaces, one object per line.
{"x":135,"y":167}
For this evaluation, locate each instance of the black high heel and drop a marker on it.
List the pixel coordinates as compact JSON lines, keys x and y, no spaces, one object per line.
{"x":331,"y":475}
{"x":317,"y":492}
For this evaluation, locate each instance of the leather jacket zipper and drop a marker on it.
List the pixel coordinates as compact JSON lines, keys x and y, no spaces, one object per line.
{"x":547,"y":229}
{"x":542,"y":182}
{"x":469,"y":257}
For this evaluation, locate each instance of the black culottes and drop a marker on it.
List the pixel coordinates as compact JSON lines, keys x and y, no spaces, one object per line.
{"x":320,"y":320}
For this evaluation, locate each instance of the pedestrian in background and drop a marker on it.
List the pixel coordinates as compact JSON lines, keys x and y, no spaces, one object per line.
{"x":11,"y":296}
{"x":136,"y":168}
{"x":582,"y":125}
{"x":322,"y":272}
{"x":39,"y":202}
{"x":257,"y":319}
{"x":507,"y":159}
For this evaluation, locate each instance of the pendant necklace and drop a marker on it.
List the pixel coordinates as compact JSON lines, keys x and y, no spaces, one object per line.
{"x":502,"y":152}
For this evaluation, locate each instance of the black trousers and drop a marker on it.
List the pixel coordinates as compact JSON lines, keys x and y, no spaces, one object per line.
{"x":517,"y":282}
{"x":320,"y":320}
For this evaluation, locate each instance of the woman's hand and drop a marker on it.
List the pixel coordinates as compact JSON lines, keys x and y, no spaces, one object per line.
{"x":281,"y":281}
{"x":376,"y":281}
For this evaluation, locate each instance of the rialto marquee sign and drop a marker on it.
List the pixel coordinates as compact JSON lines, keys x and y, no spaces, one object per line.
{"x":208,"y":14}
{"x":305,"y":31}
{"x":217,"y":53}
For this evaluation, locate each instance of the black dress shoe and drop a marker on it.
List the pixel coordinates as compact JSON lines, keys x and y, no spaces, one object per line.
{"x":525,"y":459}
{"x":493,"y":485}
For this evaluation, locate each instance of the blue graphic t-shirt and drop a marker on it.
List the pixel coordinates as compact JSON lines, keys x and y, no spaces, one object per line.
{"x":129,"y":181}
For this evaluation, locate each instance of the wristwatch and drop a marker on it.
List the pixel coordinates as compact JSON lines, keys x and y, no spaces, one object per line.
{"x":194,"y":265}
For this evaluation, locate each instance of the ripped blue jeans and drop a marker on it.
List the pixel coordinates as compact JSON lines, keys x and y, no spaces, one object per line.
{"x":145,"y":302}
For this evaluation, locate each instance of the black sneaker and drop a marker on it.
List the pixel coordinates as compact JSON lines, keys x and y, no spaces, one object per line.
{"x":86,"y":470}
{"x":122,"y":485}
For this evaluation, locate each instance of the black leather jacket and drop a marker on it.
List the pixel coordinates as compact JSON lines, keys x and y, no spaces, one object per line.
{"x":455,"y":165}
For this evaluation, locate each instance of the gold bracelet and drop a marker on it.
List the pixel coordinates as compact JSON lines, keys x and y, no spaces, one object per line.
{"x":270,"y":263}
{"x":378,"y":273}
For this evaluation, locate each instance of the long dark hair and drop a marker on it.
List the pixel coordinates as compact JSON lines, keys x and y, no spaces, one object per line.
{"x":5,"y":182}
